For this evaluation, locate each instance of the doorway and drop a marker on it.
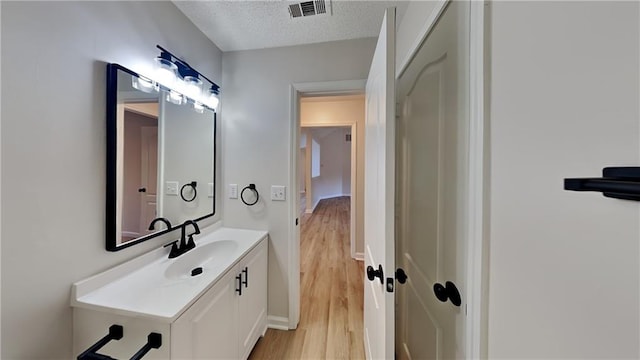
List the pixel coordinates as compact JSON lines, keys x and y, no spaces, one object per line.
{"x":330,"y":128}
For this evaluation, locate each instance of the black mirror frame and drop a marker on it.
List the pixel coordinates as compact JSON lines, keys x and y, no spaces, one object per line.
{"x":112,"y":146}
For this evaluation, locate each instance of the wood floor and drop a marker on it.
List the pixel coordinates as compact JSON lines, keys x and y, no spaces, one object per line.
{"x":331,"y":289}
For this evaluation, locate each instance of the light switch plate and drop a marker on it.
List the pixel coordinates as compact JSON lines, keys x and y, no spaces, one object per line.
{"x":278,"y":193}
{"x":171,"y":188}
{"x":233,"y":191}
{"x":210,"y":190}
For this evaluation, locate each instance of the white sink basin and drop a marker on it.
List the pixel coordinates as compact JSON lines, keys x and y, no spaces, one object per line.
{"x":204,"y":256}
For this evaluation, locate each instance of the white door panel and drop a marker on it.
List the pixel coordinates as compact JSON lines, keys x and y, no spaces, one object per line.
{"x":432,"y":141}
{"x":379,"y":194}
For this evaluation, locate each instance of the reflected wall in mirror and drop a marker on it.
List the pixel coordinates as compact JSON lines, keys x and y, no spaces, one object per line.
{"x":160,"y":160}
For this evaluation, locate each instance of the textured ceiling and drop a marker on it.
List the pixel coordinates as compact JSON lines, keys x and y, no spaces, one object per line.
{"x":244,"y":25}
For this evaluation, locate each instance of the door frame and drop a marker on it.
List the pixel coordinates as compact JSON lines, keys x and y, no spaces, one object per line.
{"x":297,"y":90}
{"x":476,"y":322}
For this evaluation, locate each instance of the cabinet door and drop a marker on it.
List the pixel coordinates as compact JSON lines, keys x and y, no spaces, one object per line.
{"x":208,"y":330}
{"x":252,"y":312}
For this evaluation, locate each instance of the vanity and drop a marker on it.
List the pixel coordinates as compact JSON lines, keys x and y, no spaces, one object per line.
{"x":198,"y":298}
{"x":208,"y":303}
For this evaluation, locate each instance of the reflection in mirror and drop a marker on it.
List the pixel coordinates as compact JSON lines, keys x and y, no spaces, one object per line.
{"x":160,"y":160}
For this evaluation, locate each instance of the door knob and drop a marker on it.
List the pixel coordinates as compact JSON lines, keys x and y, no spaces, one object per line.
{"x":401,"y":276}
{"x":372,"y":273}
{"x":142,"y":190}
{"x":447,"y":292}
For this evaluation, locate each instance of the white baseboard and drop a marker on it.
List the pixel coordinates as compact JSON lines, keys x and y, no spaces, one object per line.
{"x":277,"y":322}
{"x":359,"y":256}
{"x":132,"y":234}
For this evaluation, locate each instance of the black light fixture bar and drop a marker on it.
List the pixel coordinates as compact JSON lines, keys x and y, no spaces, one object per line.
{"x":616,"y":182}
{"x":182,"y":65}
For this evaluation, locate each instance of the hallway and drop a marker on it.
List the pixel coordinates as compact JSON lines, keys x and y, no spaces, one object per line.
{"x":331,"y":323}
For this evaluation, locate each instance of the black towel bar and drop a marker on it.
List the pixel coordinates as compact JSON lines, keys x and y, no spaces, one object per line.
{"x":616,"y":182}
{"x":115,"y":333}
{"x":154,"y":341}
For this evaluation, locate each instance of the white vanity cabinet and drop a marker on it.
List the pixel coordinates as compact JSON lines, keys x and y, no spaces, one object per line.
{"x":218,"y":314}
{"x":228,"y":319}
{"x":252,"y":302}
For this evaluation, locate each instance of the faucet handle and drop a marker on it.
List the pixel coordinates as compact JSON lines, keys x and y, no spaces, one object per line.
{"x":174,"y":249}
{"x":190,"y":243}
{"x":174,"y":243}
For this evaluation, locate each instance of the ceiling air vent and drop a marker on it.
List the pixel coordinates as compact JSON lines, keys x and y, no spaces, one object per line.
{"x":309,"y":8}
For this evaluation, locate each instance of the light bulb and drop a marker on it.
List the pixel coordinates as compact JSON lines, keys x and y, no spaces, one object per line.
{"x":142,"y":83}
{"x":165,"y":72}
{"x":212,"y":100}
{"x":192,"y":87}
{"x":198,"y":107}
{"x":175,"y":97}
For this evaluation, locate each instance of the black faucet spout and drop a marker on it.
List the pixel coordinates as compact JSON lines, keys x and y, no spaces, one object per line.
{"x":152,"y":226}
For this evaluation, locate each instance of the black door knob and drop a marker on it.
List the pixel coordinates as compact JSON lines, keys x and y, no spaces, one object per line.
{"x":454,"y":294}
{"x":440,"y":292}
{"x":401,"y":276}
{"x":142,"y":190}
{"x":372,"y":273}
{"x":447,"y":292}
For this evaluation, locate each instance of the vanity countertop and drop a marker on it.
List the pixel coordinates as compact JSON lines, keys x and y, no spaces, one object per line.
{"x":156,"y":287}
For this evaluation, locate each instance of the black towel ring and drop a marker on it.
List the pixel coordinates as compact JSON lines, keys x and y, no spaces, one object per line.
{"x":251,"y":187}
{"x":192,"y":185}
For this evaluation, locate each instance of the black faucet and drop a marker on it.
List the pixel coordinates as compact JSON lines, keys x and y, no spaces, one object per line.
{"x":185,"y":245}
{"x":152,"y":226}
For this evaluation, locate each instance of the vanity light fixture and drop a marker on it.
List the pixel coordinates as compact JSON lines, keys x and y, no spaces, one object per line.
{"x":184,"y":83}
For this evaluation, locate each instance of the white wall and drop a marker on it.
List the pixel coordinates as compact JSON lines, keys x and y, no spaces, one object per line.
{"x":564,"y":93}
{"x":53,"y":151}
{"x":333,"y":156}
{"x":345,"y":149}
{"x":256,"y":134}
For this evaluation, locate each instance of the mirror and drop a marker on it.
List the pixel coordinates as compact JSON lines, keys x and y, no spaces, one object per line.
{"x":160,"y":160}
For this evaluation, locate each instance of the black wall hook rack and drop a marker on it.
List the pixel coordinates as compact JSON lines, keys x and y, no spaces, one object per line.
{"x":616,"y":182}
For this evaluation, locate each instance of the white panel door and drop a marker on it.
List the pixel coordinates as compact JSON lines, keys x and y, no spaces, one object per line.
{"x":379,"y":195}
{"x":149,"y":176}
{"x":433,"y":143}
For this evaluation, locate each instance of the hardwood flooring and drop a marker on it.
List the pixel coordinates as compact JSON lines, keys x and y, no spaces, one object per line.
{"x":331,"y":289}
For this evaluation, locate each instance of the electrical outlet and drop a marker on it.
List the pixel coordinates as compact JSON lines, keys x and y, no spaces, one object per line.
{"x":171,"y":188}
{"x":278,"y":193}
{"x":233,"y":191}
